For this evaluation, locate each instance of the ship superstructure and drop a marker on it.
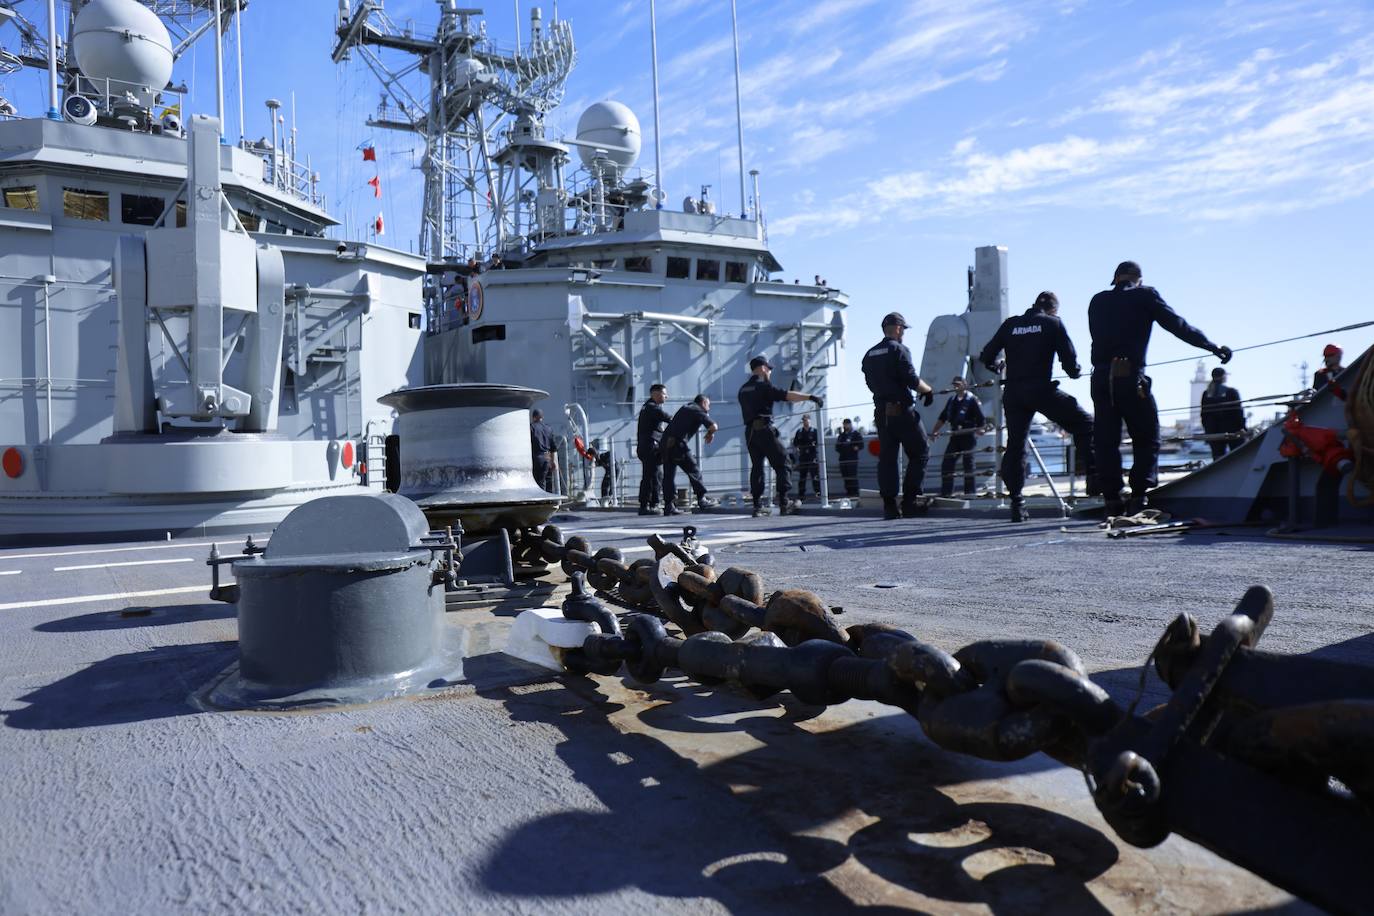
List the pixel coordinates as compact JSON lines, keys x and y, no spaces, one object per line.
{"x":554,"y":262}
{"x":140,"y":400}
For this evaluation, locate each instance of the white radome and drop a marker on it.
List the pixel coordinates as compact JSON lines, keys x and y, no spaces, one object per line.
{"x":468,"y":69}
{"x":122,"y":41}
{"x":614,"y":125}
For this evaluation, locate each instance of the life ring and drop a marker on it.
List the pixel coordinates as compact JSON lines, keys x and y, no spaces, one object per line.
{"x":873,"y":447}
{"x":581,"y":448}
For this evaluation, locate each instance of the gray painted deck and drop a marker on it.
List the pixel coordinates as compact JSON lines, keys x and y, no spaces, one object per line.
{"x":522,"y":793}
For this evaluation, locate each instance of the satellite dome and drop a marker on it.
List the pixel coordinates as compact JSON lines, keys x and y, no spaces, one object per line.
{"x":614,"y":125}
{"x":122,"y":41}
{"x":467,"y":69}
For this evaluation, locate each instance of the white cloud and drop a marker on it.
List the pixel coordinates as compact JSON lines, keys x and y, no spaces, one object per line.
{"x":1191,"y":130}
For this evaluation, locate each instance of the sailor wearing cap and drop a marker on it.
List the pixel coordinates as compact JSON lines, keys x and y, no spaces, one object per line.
{"x":756,"y":399}
{"x":1222,"y":415}
{"x":891,"y":377}
{"x":544,"y":444}
{"x":1120,"y":320}
{"x":1331,"y":360}
{"x":1031,"y":341}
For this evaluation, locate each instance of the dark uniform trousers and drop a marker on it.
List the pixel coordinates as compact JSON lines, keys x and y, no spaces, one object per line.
{"x":1021,"y":401}
{"x":905,"y":430}
{"x":958,"y":447}
{"x":1221,"y":447}
{"x":849,"y":470}
{"x":607,"y":483}
{"x":651,"y":482}
{"x":807,"y":466}
{"x":678,"y":455}
{"x":847,"y":446}
{"x":543,"y":473}
{"x":764,"y":444}
{"x":1117,"y":401}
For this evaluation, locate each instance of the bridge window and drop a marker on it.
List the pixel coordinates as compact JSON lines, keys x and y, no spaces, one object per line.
{"x":708,"y":269}
{"x":23,"y":198}
{"x":138,"y":210}
{"x":80,"y":203}
{"x":639,"y":265}
{"x":679,"y":268}
{"x":736,"y":272}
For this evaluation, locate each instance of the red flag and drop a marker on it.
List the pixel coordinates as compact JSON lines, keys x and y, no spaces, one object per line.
{"x":376,"y":182}
{"x":377,"y":225}
{"x":369,"y":154}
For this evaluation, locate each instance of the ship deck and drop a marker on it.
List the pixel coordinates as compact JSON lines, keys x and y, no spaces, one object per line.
{"x":518,"y":791}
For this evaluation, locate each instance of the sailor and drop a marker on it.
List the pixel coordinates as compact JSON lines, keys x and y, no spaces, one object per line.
{"x":652,"y":421}
{"x":756,"y":399}
{"x":891,"y":377}
{"x":848,"y":444}
{"x":964,"y":414}
{"x":1120,"y":320}
{"x":1222,"y":415}
{"x":807,"y":444}
{"x":601,"y":458}
{"x":1030,"y":342}
{"x":544,"y":448}
{"x":1331,"y":367}
{"x":677,"y":452}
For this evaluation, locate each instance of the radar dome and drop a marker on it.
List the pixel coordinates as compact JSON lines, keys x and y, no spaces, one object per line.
{"x":122,"y":41}
{"x":467,"y":69}
{"x":615,"y":126}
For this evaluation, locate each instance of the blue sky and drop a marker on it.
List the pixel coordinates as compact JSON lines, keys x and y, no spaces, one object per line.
{"x":1227,"y":146}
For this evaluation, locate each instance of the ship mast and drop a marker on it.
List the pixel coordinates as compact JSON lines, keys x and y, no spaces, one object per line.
{"x":492,"y":181}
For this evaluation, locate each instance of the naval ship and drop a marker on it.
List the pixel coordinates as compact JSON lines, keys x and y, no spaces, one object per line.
{"x":184,"y":379}
{"x":555,"y":262}
{"x":144,"y":391}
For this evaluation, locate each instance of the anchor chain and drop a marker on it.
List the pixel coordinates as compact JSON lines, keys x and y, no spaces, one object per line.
{"x":1239,"y":724}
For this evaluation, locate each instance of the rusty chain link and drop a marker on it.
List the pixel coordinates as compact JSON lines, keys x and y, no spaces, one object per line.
{"x":1280,"y":725}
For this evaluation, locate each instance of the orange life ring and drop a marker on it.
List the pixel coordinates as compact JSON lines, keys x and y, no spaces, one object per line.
{"x":581,"y":448}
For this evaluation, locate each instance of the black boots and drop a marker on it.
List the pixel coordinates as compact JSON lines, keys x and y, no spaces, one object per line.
{"x":1018,"y":509}
{"x":890,"y":510}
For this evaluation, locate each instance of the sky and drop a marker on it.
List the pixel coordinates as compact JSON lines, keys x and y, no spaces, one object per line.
{"x":1226,"y":146}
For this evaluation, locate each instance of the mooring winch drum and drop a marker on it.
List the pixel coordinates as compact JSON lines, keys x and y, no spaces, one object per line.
{"x":465,"y":455}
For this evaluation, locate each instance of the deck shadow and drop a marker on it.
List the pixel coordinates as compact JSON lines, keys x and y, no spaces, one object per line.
{"x":914,"y":537}
{"x":759,"y":830}
{"x":135,"y":687}
{"x":1358,"y":650}
{"x":135,"y":617}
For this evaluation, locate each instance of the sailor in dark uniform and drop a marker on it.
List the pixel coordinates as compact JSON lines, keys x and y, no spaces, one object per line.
{"x":807,"y":444}
{"x":891,"y":377}
{"x":756,"y":399}
{"x":1031,"y":341}
{"x":601,"y":458}
{"x":677,"y":452}
{"x":964,"y":414}
{"x":544,"y":450}
{"x":1120,"y":320}
{"x":1222,"y":415}
{"x":653,"y":419}
{"x":848,"y":445}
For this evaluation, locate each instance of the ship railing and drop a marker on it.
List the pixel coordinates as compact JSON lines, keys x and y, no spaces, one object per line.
{"x":289,"y":176}
{"x":594,"y":202}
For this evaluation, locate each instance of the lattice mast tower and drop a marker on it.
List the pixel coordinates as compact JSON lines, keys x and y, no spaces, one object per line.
{"x":492,"y":180}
